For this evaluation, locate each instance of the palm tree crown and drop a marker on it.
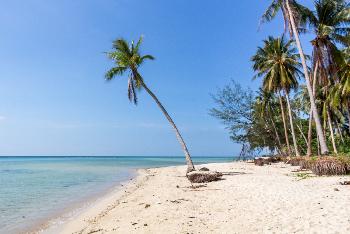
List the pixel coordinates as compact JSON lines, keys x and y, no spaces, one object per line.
{"x":330,"y":22}
{"x":278,"y":63}
{"x":128,"y":59}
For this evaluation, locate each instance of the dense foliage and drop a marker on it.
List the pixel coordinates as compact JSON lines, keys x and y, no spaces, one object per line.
{"x":303,"y":105}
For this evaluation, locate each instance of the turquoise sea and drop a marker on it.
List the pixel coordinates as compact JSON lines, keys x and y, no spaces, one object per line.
{"x":36,"y":189}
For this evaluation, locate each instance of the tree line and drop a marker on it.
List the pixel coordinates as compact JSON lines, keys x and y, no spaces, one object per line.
{"x":303,"y":104}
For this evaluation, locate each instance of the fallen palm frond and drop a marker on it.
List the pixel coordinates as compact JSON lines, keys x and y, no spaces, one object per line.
{"x":322,"y":165}
{"x":267,"y":160}
{"x":329,"y":166}
{"x":295,"y":161}
{"x":259,"y":162}
{"x":307,"y":163}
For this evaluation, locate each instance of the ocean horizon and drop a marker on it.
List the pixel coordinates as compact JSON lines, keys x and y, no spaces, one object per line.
{"x":36,"y":189}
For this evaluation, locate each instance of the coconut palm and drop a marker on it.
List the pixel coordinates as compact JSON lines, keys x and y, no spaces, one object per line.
{"x":294,"y":18}
{"x":330,"y":23}
{"x":278,"y":64}
{"x":128,"y":59}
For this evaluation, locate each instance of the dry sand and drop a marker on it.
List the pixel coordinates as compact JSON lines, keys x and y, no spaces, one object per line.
{"x":249,"y":199}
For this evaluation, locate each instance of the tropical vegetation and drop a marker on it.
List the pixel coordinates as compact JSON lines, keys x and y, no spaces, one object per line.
{"x":303,"y":105}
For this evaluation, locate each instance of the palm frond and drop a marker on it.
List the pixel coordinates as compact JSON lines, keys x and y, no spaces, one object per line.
{"x":128,"y":58}
{"x":121,"y":45}
{"x":115,"y":71}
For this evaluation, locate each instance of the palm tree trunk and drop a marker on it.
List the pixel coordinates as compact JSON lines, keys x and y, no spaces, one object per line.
{"x":332,"y":133}
{"x":318,"y":146}
{"x":284,"y":123}
{"x":309,"y":135}
{"x":324,"y":148}
{"x":190,"y":166}
{"x":302,"y":134}
{"x":292,"y":125}
{"x":275,"y":130}
{"x":268,"y":132}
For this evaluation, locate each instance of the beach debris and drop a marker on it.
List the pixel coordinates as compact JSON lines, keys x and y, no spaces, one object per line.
{"x":345,"y":183}
{"x":147,"y":205}
{"x":336,"y":189}
{"x":198,"y":186}
{"x":145,"y":225}
{"x":329,"y":166}
{"x":261,"y":161}
{"x":204,"y":169}
{"x":322,"y":165}
{"x":295,"y":161}
{"x":302,"y":176}
{"x":133,"y":224}
{"x":203,"y":176}
{"x":179,"y":200}
{"x":95,"y":230}
{"x":177,"y":186}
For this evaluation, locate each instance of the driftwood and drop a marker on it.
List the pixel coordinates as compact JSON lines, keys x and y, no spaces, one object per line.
{"x":345,"y":183}
{"x":203,"y":176}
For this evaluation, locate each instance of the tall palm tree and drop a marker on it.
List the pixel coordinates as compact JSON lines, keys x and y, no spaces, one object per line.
{"x":278,"y":64}
{"x":294,"y":18}
{"x":330,"y":23}
{"x":128,"y":59}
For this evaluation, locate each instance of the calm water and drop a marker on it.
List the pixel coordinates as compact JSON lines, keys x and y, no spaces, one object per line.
{"x":34,"y":189}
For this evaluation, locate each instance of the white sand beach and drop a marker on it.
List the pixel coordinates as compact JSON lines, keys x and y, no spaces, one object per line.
{"x":249,"y":199}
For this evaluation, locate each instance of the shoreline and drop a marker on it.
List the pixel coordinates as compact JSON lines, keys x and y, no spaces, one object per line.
{"x":250,"y":199}
{"x":94,"y":207}
{"x":70,"y":211}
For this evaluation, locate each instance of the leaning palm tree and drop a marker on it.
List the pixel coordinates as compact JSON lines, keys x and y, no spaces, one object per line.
{"x":294,"y":18}
{"x":278,"y":64}
{"x":128,"y":59}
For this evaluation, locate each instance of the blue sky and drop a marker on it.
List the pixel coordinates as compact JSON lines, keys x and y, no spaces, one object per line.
{"x":54,"y":100}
